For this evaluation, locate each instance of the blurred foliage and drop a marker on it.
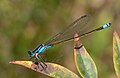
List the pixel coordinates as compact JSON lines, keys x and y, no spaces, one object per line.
{"x":116,"y":53}
{"x":26,"y":24}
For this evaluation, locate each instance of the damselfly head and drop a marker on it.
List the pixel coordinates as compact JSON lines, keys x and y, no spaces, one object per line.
{"x":30,"y":53}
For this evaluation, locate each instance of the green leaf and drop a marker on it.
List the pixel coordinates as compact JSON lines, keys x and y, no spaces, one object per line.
{"x":52,"y":70}
{"x":84,"y":63}
{"x":116,"y":53}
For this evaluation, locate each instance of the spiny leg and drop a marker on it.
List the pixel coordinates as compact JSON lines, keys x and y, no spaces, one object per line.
{"x":43,"y":61}
{"x":38,"y":66}
{"x":38,"y":60}
{"x":45,"y":55}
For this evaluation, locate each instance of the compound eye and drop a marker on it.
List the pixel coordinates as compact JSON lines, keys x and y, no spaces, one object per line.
{"x":30,"y":53}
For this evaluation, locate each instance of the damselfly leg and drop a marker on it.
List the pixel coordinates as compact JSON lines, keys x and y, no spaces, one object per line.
{"x":41,"y":61}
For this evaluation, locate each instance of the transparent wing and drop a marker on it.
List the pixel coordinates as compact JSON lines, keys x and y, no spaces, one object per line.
{"x":79,"y":26}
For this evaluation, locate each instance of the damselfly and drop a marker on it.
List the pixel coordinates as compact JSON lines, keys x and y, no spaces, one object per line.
{"x":66,"y":35}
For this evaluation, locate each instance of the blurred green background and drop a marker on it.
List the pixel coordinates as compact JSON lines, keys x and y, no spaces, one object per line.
{"x":24,"y":24}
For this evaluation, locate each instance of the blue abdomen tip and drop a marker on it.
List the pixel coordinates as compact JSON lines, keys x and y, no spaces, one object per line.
{"x":106,"y":25}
